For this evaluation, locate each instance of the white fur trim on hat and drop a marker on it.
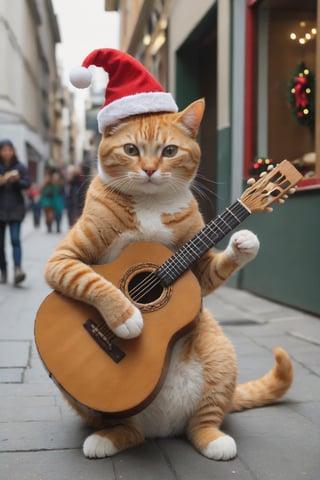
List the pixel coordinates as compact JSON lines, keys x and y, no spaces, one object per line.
{"x":136,"y":104}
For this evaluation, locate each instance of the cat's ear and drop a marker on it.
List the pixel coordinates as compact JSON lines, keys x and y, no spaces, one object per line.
{"x":191,"y":116}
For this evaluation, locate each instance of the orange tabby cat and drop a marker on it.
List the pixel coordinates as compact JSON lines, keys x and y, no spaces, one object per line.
{"x":142,"y":192}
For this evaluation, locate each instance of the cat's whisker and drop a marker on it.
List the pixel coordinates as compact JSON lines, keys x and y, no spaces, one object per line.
{"x":178,"y":182}
{"x":202,"y":177}
{"x":202,"y":189}
{"x":202,"y":194}
{"x":199,"y":187}
{"x":119,"y":183}
{"x":176,"y":185}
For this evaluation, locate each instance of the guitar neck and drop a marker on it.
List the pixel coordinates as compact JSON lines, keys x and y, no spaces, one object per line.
{"x":207,"y":238}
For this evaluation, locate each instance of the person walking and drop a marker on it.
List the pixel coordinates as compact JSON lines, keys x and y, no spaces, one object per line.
{"x":47,"y":201}
{"x":34,"y":203}
{"x":76,"y":186}
{"x":13,"y":180}
{"x":59,"y":197}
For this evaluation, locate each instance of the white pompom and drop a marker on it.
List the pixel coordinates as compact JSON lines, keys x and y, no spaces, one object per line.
{"x":80,"y":77}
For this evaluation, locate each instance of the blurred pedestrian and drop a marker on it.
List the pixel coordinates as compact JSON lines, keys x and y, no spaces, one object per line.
{"x":47,"y":201}
{"x":75,"y":193}
{"x":13,"y":180}
{"x":59,"y":197}
{"x":34,"y":203}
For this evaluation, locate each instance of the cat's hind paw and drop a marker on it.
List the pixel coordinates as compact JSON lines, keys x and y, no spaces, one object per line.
{"x":98,"y":446}
{"x":224,"y":448}
{"x":132,"y":327}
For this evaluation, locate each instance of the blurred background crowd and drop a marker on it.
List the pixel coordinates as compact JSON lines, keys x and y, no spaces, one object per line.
{"x":62,"y":192}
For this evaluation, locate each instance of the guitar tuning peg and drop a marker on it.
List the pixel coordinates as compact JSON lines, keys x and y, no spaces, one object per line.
{"x":251,"y":181}
{"x":271,"y":167}
{"x":281,"y":201}
{"x":269,"y":209}
{"x":285,"y":197}
{"x":262,"y":174}
{"x":292,"y":191}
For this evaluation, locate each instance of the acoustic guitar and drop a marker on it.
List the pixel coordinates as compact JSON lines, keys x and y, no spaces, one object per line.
{"x":118,"y":377}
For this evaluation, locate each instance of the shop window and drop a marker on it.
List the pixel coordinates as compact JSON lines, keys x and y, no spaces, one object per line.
{"x":284,"y":111}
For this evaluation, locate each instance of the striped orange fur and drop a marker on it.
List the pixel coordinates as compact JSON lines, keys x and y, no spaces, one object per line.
{"x":143,"y":192}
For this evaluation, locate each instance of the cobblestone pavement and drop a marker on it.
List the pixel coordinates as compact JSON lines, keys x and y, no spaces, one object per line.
{"x":40,"y":438}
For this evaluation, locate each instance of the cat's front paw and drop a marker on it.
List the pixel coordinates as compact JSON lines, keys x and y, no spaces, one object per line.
{"x":224,"y":448}
{"x":132,"y":327}
{"x":243,"y":246}
{"x":98,"y":446}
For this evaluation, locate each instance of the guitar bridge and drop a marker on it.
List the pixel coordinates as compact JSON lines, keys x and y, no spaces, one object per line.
{"x":104,"y":340}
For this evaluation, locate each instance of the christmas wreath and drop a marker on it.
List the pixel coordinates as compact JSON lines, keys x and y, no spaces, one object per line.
{"x":302,"y":95}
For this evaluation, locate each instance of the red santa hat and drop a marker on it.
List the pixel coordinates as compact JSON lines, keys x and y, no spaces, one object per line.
{"x":131,"y":89}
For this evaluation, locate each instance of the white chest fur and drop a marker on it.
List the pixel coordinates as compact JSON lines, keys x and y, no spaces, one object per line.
{"x":177,"y":400}
{"x":150,"y":224}
{"x":150,"y":227}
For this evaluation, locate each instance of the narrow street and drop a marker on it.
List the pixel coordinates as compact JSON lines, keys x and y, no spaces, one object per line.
{"x":41,"y":438}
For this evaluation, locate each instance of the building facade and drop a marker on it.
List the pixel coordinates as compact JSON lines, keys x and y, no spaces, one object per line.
{"x":253,"y":61}
{"x":32,"y":100}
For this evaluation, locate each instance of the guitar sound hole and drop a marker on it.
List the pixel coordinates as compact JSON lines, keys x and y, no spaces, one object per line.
{"x":144,"y":288}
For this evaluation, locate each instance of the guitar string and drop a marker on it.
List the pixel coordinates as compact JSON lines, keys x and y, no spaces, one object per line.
{"x":105,"y":330}
{"x":188,"y":248}
{"x":208,"y":228}
{"x":182,"y":259}
{"x":183,"y":255}
{"x":151,"y":281}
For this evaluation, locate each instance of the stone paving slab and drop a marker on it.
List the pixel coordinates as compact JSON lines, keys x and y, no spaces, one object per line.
{"x":53,"y":465}
{"x":250,"y":303}
{"x":28,"y":390}
{"x":22,"y":402}
{"x":188,"y":464}
{"x":271,"y":439}
{"x":144,"y":461}
{"x":31,"y":413}
{"x":11,"y":375}
{"x":37,"y":373}
{"x":42,"y":435}
{"x":14,"y":354}
{"x":310,"y":410}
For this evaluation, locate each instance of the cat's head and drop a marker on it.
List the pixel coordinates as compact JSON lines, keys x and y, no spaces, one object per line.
{"x":154,"y":153}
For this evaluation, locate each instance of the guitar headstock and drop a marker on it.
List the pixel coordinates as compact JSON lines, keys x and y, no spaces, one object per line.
{"x":271,"y":187}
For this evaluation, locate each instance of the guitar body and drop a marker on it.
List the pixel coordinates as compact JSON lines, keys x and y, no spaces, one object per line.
{"x":105,"y":373}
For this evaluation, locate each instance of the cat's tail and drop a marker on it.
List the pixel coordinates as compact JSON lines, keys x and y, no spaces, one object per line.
{"x":267,"y":389}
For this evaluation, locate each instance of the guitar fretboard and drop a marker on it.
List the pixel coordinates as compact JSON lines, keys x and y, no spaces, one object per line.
{"x":208,"y":237}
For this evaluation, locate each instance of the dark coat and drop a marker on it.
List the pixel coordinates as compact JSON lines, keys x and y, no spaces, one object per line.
{"x":12,"y":203}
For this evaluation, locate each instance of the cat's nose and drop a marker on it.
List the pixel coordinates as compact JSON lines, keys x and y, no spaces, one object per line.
{"x":149,"y":171}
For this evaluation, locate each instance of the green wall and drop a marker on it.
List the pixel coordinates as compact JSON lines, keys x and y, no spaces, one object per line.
{"x":287,"y":268}
{"x":223,"y":169}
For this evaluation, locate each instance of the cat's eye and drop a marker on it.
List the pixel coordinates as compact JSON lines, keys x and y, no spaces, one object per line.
{"x":131,"y":149}
{"x":169,"y":151}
